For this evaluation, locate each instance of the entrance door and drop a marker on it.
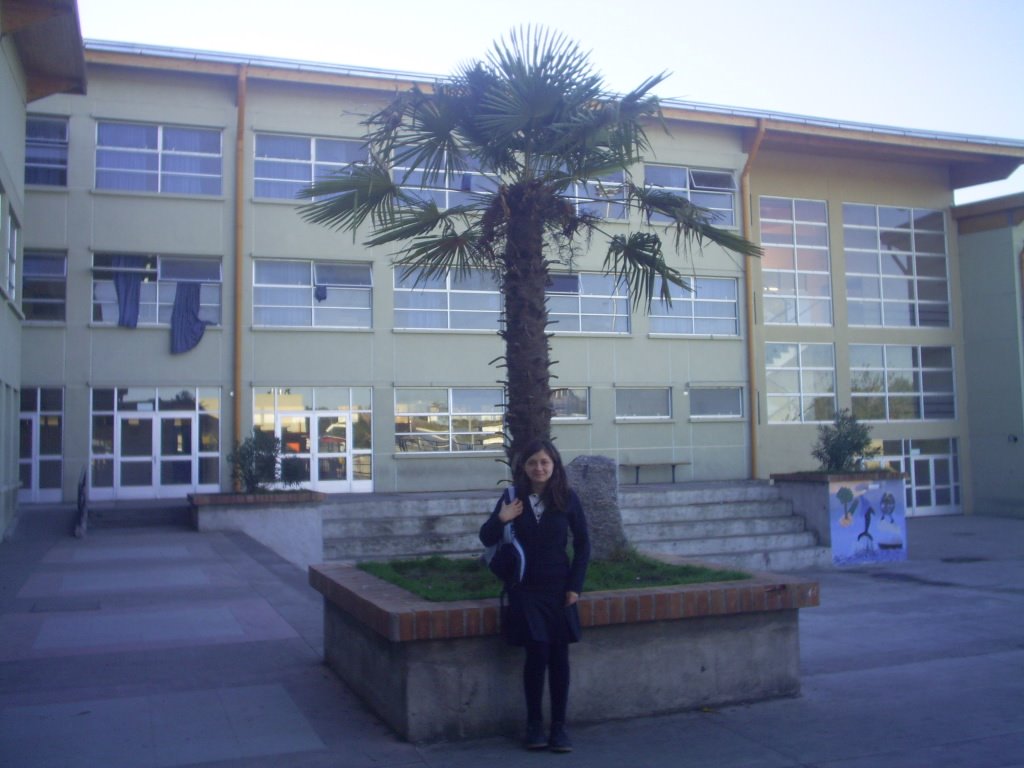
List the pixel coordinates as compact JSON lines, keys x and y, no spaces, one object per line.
{"x":135,"y":466}
{"x":40,"y":464}
{"x":334,"y":453}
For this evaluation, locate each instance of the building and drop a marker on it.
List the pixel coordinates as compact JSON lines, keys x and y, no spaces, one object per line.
{"x":173,"y":299}
{"x":40,"y":54}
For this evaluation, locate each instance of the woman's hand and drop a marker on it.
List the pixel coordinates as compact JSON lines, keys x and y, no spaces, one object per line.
{"x":510,"y":511}
{"x":571,"y":598}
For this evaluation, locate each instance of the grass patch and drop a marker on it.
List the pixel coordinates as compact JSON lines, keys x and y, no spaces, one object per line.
{"x":444,"y":579}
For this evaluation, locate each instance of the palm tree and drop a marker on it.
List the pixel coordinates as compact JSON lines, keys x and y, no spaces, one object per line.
{"x":546,"y":144}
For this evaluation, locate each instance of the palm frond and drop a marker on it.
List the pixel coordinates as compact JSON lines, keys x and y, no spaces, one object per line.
{"x":690,"y":224}
{"x":347,"y":199}
{"x":638,"y":261}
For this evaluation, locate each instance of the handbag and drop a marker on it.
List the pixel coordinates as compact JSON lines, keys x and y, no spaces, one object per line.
{"x":506,"y":559}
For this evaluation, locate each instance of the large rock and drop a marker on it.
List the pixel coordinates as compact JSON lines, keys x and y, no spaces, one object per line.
{"x":596,"y":481}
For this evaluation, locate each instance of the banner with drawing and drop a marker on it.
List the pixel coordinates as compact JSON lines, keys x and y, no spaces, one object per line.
{"x":868,"y":521}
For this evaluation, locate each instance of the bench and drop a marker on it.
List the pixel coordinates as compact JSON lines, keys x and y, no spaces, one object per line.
{"x":636,"y":466}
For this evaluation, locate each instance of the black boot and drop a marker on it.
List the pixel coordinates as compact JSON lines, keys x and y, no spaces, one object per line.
{"x":535,"y":735}
{"x":559,"y":741}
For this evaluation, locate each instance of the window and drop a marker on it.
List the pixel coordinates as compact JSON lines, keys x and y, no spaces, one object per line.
{"x":587,"y":303}
{"x":319,"y":294}
{"x":157,"y":278}
{"x":716,"y":402}
{"x":44,"y":286}
{"x":437,"y":419}
{"x":137,"y":157}
{"x":13,"y":233}
{"x":643,"y":403}
{"x":896,"y":268}
{"x":795,"y":266}
{"x":711,"y":308}
{"x":445,"y":191}
{"x":714,"y":190}
{"x":603,"y":197}
{"x":286,"y":164}
{"x":467,"y":300}
{"x":800,"y":382}
{"x":41,"y":442}
{"x":326,"y":433}
{"x":570,"y":403}
{"x":46,"y":151}
{"x":894,"y":382}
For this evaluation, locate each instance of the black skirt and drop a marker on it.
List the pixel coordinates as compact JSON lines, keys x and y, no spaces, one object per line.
{"x":540,"y":616}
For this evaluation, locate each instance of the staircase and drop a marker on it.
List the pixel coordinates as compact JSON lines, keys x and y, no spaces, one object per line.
{"x":742,"y":524}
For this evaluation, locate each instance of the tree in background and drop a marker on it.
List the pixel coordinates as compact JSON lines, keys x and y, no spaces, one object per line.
{"x":539,"y":153}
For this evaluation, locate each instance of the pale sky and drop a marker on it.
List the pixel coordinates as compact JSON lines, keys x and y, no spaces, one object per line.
{"x":954,"y":66}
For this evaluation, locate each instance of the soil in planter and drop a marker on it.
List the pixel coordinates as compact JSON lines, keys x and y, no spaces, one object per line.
{"x":444,"y":579}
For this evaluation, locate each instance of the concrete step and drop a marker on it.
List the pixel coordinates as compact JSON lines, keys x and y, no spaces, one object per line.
{"x":696,"y":493}
{"x":729,"y":544}
{"x":639,"y":533}
{"x":711,"y":510}
{"x":359,"y":548}
{"x":776,"y":560}
{"x":422,"y":525}
{"x":357,"y":506}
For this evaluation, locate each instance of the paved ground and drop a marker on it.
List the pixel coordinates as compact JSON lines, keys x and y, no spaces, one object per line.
{"x":152,"y":648}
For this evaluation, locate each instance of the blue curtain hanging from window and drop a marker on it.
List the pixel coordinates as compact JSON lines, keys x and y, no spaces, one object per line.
{"x":186,"y":327}
{"x":128,"y":286}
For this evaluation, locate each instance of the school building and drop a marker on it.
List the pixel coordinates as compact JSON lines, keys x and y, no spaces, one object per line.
{"x":161,"y":295}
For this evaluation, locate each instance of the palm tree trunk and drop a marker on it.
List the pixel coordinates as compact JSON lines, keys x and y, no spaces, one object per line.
{"x":528,"y":410}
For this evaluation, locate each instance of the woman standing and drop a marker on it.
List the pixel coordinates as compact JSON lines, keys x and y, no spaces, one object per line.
{"x":542,"y":613}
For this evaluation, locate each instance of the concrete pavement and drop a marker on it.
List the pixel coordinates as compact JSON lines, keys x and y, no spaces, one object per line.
{"x":161,"y":647}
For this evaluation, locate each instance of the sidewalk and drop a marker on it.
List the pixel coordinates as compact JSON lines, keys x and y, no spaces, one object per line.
{"x":153,"y":648}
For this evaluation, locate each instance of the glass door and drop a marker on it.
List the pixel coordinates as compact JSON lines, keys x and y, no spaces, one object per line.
{"x":41,"y":445}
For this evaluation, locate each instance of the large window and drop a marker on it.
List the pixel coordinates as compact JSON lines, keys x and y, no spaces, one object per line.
{"x":146,"y":285}
{"x":893,"y":382}
{"x":643,"y":403}
{"x":467,"y":300}
{"x":710,"y":308}
{"x":795,"y":267}
{"x":445,"y":190}
{"x":896,"y":266}
{"x":453,"y":419}
{"x":319,"y":294}
{"x":286,"y":164}
{"x":570,"y":403}
{"x":603,"y":197}
{"x":138,"y":157}
{"x":714,"y":190}
{"x":46,"y":151}
{"x":801,"y":382}
{"x":44,"y":286}
{"x":587,"y":303}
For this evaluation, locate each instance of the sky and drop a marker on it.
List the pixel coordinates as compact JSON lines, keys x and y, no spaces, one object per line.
{"x":949,"y":66}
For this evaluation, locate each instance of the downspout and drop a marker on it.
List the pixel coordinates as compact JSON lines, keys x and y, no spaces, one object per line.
{"x":748,"y":227}
{"x":239,"y":234}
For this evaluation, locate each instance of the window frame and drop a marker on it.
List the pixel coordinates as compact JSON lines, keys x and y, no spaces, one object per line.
{"x":316,"y":164}
{"x":697,"y":193}
{"x":157,"y":291}
{"x":43,"y":145}
{"x":788,"y":286}
{"x":157,"y":163}
{"x":450,"y":301}
{"x":573,"y":394}
{"x":858,"y":276}
{"x":738,"y":415}
{"x":662,"y":314}
{"x":650,"y":416}
{"x":619,"y":298}
{"x":924,"y":396}
{"x":12,"y":241}
{"x":313,"y":294}
{"x":805,"y":396}
{"x":406,"y":441}
{"x":30,"y":280}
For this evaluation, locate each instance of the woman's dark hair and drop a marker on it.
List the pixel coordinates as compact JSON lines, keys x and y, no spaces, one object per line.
{"x":556,"y":493}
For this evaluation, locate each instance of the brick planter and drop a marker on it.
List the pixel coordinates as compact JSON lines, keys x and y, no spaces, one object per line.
{"x":436,"y":671}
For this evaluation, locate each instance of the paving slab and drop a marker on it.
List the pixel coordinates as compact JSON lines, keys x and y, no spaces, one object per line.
{"x":164,"y":647}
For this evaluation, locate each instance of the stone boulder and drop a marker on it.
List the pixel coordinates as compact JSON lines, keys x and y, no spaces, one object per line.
{"x":596,"y":481}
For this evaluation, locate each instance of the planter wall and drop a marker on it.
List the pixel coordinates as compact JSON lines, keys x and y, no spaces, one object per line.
{"x":288,"y":522}
{"x":861,"y":516}
{"x":436,"y":671}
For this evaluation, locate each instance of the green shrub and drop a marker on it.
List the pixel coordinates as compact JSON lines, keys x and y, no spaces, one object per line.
{"x":256,"y":463}
{"x":844,"y":444}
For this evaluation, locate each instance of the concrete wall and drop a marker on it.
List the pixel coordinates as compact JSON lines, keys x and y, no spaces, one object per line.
{"x":994,"y":334}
